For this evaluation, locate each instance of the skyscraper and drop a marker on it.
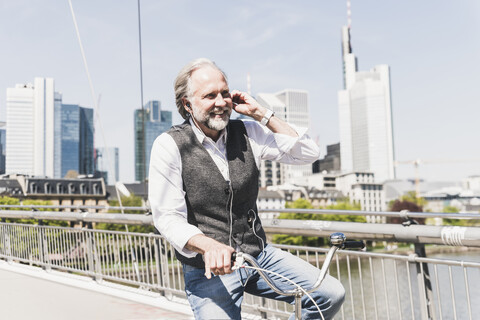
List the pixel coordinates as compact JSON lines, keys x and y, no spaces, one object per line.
{"x":290,"y":105}
{"x":156,"y":122}
{"x":76,"y":139}
{"x":86,"y":148}
{"x":70,"y":138}
{"x":107,"y":163}
{"x":365,"y":115}
{"x":3,"y":137}
{"x":30,"y":140}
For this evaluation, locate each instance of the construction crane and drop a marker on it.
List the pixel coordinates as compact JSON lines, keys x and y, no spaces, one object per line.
{"x":416,"y":163}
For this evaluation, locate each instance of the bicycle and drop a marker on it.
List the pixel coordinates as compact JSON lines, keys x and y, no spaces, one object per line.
{"x":337,"y":241}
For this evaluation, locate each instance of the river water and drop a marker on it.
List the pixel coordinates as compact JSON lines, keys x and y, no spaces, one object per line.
{"x":386,"y":280}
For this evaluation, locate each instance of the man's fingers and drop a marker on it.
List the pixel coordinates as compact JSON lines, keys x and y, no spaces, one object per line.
{"x":209,"y":265}
{"x":227,"y":263}
{"x":218,"y":261}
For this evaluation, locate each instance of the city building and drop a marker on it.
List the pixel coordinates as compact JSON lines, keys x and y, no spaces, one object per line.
{"x":138,"y":189}
{"x":272,"y":200}
{"x":31,"y":137}
{"x":154,"y":121}
{"x":360,"y":187}
{"x":86,"y":147}
{"x":76,"y":140}
{"x":465,"y":201}
{"x":3,"y":137}
{"x":86,"y":191}
{"x":290,"y":105}
{"x":395,"y":189}
{"x":45,"y":138}
{"x":271,"y":173}
{"x":320,"y":181}
{"x":365,"y":116}
{"x":331,"y":162}
{"x":472,"y":183}
{"x":319,"y":197}
{"x":107,"y":164}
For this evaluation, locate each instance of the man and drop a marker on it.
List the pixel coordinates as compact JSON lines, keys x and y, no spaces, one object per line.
{"x":203,"y":187}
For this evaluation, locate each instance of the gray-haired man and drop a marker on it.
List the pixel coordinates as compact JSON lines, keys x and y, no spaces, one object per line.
{"x":203,"y":190}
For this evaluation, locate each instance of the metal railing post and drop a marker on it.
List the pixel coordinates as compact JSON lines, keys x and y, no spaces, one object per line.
{"x":264,"y":314}
{"x":158,"y":264}
{"x":92,"y":255}
{"x":8,"y":245}
{"x":424,"y":285}
{"x":43,"y":246}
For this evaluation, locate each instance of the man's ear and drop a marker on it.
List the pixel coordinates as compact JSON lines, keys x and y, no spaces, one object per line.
{"x":186,"y":104}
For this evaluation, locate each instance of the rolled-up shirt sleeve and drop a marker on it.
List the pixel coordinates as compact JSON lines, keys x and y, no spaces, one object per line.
{"x":267,"y":145}
{"x":166,"y":195}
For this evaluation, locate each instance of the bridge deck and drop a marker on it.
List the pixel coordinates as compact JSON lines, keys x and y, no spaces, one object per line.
{"x":31,"y":293}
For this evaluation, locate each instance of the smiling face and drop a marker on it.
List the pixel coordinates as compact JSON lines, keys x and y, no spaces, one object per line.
{"x":210,"y":100}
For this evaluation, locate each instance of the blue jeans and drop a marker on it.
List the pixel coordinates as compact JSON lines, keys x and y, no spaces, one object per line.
{"x":221,"y":296}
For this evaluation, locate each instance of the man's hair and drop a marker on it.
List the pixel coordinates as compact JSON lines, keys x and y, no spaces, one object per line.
{"x":183,"y":81}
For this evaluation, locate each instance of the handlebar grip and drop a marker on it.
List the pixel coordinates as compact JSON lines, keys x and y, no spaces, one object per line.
{"x":234,"y":256}
{"x":352,"y":244}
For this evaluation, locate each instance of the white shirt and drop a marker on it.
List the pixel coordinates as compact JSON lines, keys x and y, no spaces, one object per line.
{"x":166,"y":194}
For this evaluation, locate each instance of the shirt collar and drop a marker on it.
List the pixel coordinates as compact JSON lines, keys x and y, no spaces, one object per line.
{"x":201,"y":136}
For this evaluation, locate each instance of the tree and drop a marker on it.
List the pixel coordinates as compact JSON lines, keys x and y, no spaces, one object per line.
{"x":458,"y":222}
{"x":305,"y":204}
{"x":411,"y":196}
{"x":14,"y":201}
{"x":401,"y":205}
{"x":131,"y":201}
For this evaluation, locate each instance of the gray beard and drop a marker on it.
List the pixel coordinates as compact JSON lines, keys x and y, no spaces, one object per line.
{"x":210,"y":123}
{"x":218,"y":125}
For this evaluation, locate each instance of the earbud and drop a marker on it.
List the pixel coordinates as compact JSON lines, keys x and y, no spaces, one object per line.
{"x":187,"y":107}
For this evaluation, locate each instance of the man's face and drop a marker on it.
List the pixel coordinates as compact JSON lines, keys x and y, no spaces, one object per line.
{"x":210,"y":100}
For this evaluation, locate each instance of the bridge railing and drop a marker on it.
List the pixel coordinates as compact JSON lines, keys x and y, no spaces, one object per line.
{"x":379,"y":286}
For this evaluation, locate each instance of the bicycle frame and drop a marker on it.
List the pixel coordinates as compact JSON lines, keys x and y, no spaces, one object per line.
{"x":337,"y":241}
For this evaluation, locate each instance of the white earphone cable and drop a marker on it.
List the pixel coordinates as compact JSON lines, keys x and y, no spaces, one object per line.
{"x":225,"y":161}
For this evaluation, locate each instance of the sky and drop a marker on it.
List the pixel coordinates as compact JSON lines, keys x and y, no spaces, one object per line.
{"x":432,"y":48}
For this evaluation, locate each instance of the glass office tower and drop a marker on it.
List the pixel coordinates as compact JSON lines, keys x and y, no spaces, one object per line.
{"x":77,"y":139}
{"x":156,"y":121}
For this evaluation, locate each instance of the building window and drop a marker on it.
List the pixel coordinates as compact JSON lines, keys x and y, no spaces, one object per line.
{"x":60,"y":188}
{"x":47,"y":188}
{"x":33,"y":187}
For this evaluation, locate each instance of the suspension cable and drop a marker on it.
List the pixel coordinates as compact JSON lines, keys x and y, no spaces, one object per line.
{"x":92,"y":90}
{"x":143,"y":145}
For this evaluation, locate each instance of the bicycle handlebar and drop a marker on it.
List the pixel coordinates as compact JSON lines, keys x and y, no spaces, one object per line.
{"x":351,"y":244}
{"x":337,"y":241}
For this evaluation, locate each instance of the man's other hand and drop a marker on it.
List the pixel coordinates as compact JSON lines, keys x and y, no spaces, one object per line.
{"x":244,"y":104}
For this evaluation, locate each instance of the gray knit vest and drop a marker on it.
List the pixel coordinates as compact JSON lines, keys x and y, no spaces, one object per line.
{"x":209,"y":195}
